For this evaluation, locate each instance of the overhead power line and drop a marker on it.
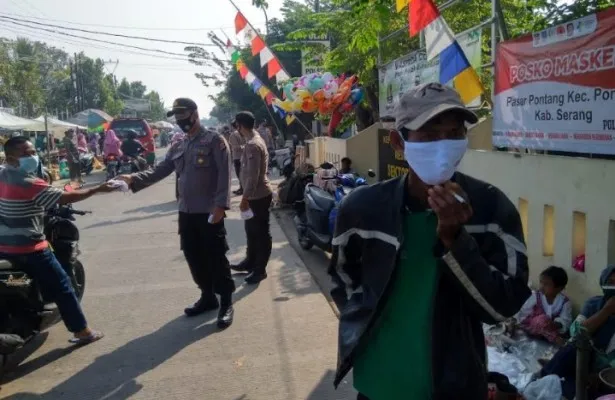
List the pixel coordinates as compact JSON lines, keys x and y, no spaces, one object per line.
{"x":36,"y":23}
{"x":137,"y":28}
{"x":98,"y":40}
{"x":75,"y":42}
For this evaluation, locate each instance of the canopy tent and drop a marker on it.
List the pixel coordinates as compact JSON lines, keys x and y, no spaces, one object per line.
{"x":58,"y":127}
{"x":162,"y":125}
{"x":12,"y":122}
{"x":95,"y":120}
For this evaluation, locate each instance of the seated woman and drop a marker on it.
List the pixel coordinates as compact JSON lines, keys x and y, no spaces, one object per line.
{"x":548,"y":312}
{"x":597,"y":318}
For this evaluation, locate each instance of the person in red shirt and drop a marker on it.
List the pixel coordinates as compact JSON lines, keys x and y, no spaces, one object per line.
{"x":24,"y":199}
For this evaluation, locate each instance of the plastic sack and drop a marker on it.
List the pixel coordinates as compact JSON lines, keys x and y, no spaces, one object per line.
{"x":546,"y":388}
{"x":510,"y":365}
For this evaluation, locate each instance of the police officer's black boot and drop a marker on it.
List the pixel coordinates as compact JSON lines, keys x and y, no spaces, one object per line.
{"x":204,"y":304}
{"x":255,"y":277}
{"x":226,"y":313}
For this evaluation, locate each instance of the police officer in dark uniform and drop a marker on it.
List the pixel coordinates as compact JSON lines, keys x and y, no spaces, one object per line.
{"x":202,"y":163}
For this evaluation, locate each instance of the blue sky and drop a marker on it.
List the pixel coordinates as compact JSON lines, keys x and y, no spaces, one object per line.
{"x":185,"y":20}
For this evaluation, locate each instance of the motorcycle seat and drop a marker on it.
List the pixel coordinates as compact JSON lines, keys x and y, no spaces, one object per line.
{"x":6,"y":265}
{"x":322,"y":198}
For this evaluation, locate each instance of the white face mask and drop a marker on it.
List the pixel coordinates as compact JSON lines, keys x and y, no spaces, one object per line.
{"x":435,"y":162}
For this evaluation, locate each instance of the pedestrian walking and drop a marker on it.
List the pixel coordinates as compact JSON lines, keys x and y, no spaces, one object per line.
{"x":417,"y":281}
{"x":202,"y":163}
{"x":72,"y":156}
{"x":237,"y":143}
{"x":256,"y":200}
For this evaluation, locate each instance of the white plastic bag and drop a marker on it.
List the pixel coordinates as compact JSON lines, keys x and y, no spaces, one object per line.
{"x":546,"y":388}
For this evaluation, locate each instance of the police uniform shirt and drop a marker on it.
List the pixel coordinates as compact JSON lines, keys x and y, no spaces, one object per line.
{"x":237,"y":143}
{"x":253,"y":175}
{"x":203,"y":167}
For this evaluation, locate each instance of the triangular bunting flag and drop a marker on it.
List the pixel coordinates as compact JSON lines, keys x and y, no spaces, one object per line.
{"x":290,"y":119}
{"x":263,"y":91}
{"x":269,"y":98}
{"x":266,"y":55}
{"x":240,"y":22}
{"x":250,"y":34}
{"x":235,"y":56}
{"x":250,"y":77}
{"x":243,"y":70}
{"x":281,"y":76}
{"x":273,"y":68}
{"x":257,"y":45}
{"x":257,"y":84}
{"x":400,"y":4}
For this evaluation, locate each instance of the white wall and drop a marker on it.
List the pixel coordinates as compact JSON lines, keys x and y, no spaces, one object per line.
{"x":569,"y":185}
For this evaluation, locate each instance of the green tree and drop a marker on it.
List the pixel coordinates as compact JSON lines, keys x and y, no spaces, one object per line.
{"x":157,"y":111}
{"x":109,"y":98}
{"x":124,"y":89}
{"x":138,"y":89}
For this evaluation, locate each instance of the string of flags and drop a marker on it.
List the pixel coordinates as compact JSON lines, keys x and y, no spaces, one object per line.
{"x":424,"y":16}
{"x":258,"y":87}
{"x":260,"y":48}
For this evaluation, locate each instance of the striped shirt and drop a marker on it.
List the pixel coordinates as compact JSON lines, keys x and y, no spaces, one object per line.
{"x":23,"y":201}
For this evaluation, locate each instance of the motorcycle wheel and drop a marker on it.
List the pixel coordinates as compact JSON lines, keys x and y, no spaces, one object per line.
{"x":78,"y":279}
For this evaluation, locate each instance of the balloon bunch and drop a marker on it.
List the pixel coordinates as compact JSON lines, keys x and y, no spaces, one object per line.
{"x":322,"y":93}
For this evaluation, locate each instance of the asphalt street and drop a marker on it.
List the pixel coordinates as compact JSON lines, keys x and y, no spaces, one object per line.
{"x":282,"y":345}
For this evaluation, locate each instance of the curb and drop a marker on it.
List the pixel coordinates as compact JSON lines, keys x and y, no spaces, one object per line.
{"x":316,"y":277}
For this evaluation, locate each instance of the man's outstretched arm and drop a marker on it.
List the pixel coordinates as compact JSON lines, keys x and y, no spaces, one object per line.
{"x":141,"y":180}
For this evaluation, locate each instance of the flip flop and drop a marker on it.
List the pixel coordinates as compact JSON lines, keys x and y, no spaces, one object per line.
{"x":91,"y":338}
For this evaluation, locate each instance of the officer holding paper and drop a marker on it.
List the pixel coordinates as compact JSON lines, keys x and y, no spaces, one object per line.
{"x":256,"y":200}
{"x":202,"y":163}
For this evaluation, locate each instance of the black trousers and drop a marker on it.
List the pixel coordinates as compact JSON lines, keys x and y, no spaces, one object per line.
{"x":258,"y":233}
{"x":361,"y":397}
{"x":205,"y":246}
{"x":237,"y":164}
{"x":74,"y":171}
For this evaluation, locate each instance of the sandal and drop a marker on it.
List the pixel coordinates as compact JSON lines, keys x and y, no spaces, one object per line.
{"x":91,"y":338}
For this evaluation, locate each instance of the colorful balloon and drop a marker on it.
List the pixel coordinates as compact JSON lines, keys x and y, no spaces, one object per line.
{"x":288,"y":91}
{"x":316,"y":84}
{"x":309,"y":105}
{"x":319,"y":96}
{"x":327,"y":77}
{"x":336,"y":118}
{"x":356,"y":95}
{"x":302,"y":94}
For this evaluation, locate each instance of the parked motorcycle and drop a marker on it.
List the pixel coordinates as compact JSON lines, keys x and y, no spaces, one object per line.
{"x":23,"y":311}
{"x":282,"y":162}
{"x":315,"y":218}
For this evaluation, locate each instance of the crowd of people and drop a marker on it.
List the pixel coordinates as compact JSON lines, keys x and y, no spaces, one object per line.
{"x":445,"y":255}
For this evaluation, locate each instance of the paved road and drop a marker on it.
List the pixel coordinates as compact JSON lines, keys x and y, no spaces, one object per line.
{"x":282,"y":345}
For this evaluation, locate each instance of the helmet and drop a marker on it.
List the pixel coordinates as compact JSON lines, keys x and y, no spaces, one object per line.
{"x":131,"y":134}
{"x":347,"y":180}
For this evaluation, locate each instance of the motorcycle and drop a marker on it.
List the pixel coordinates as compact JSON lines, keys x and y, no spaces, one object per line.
{"x":282,"y":161}
{"x":23,"y":310}
{"x":86,"y":161}
{"x":317,"y":212}
{"x":112,"y":166}
{"x":128,"y":165}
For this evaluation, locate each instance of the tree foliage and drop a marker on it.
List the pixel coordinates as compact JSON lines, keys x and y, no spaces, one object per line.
{"x":36,"y":78}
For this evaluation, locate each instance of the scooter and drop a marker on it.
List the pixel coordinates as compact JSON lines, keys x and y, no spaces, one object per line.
{"x":23,"y":311}
{"x":315,"y":219}
{"x":86,"y":160}
{"x":112,"y":164}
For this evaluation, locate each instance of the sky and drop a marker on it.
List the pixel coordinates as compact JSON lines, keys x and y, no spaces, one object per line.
{"x":186,"y":20}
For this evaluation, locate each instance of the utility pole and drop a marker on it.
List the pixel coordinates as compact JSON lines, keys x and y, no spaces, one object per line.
{"x":318,"y":123}
{"x":48,"y":142}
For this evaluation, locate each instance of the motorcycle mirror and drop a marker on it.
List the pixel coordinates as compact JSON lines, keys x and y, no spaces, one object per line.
{"x":68,"y":188}
{"x":371,"y":173}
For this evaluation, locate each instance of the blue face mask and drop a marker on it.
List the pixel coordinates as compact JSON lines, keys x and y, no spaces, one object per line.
{"x":29,"y":164}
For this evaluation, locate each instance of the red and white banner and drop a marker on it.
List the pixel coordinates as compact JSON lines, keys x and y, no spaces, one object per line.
{"x":555,"y":89}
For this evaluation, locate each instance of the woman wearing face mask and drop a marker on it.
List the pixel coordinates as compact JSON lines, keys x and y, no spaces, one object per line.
{"x":443,"y":254}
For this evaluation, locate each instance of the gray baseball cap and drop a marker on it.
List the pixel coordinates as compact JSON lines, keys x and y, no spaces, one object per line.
{"x":424,"y":102}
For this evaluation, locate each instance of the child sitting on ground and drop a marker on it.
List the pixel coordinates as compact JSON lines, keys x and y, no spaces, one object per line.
{"x":548,"y":312}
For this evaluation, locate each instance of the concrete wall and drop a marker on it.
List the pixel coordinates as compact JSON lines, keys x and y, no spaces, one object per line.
{"x":363,"y":151}
{"x":566,"y":206}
